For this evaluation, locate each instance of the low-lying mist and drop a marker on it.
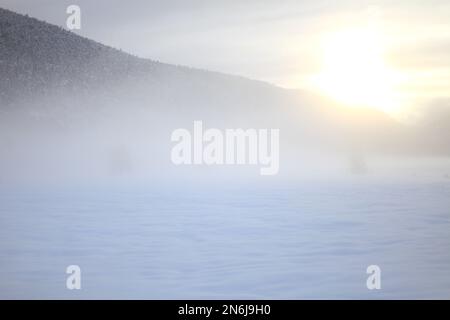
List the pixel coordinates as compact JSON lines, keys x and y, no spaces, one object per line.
{"x":73,"y":111}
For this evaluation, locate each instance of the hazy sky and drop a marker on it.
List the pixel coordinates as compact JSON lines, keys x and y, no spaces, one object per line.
{"x":277,"y":41}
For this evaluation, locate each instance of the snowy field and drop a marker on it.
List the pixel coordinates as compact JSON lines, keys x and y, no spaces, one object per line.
{"x":288,"y":242}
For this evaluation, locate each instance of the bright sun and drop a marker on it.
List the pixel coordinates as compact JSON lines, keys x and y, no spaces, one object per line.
{"x":354,"y":71}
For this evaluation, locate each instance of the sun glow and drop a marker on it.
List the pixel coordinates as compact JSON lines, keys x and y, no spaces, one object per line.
{"x":354,"y":71}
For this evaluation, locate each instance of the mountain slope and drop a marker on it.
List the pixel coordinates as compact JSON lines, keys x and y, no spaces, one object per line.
{"x":36,"y":56}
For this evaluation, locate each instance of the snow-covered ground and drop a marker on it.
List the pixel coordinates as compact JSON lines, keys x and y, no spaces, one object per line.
{"x":291,"y":241}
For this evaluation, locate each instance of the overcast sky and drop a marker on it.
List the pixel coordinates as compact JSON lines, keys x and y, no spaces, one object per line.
{"x":275,"y":41}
